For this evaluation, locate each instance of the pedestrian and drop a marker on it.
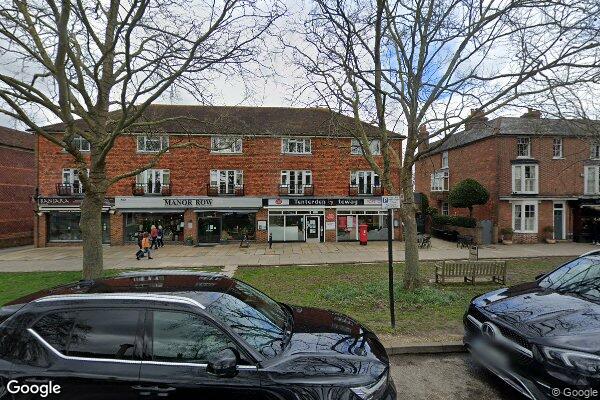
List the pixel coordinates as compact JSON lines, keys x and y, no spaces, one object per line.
{"x":270,"y":240}
{"x":140,"y":236}
{"x":154,"y":237}
{"x":161,"y":243}
{"x":146,"y":245}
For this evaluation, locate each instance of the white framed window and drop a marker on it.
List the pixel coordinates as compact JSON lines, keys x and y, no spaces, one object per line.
{"x":296,"y":181}
{"x":440,"y":181}
{"x":595,"y":151}
{"x":226,"y":181}
{"x":296,"y":146}
{"x":365,"y":181}
{"x":445,"y":159}
{"x":557,"y":148}
{"x":70,"y":177}
{"x":523,"y":147}
{"x":226,"y":144}
{"x":152,"y":143}
{"x":525,"y":178}
{"x":153,"y":180}
{"x":525,"y":217}
{"x":81,"y":143}
{"x":591,"y":182}
{"x":445,"y":208}
{"x":374,"y":147}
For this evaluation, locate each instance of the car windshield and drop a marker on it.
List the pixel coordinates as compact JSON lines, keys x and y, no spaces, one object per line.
{"x":257,"y":318}
{"x":580,"y":276}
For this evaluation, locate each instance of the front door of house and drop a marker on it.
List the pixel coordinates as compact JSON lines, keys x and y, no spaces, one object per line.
{"x":313,"y":231}
{"x":209,"y":230}
{"x":559,"y":228}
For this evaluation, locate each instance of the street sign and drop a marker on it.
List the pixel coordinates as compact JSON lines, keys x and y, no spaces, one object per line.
{"x":390,"y":202}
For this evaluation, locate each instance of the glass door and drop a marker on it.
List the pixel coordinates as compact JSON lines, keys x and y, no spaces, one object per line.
{"x":313,"y":231}
{"x":209,"y":230}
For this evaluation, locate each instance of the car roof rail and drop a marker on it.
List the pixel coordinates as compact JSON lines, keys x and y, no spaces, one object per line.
{"x":122,"y":296}
{"x":159,"y":272}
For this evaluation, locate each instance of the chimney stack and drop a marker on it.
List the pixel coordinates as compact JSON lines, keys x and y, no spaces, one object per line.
{"x":477,"y":119}
{"x":532,"y":113}
{"x":423,"y":138}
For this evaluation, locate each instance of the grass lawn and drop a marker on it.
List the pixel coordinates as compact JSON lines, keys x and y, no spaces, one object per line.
{"x":433,"y":312}
{"x":16,"y":284}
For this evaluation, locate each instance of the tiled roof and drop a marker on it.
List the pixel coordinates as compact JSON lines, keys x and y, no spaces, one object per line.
{"x":238,"y":120}
{"x":521,"y":127}
{"x":14,"y":138}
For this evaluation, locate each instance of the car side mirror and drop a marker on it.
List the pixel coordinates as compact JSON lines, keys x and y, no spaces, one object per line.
{"x":540,"y":276}
{"x":223,"y":364}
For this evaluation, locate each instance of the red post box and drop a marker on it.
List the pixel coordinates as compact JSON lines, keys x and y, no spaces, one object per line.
{"x":362,"y":233}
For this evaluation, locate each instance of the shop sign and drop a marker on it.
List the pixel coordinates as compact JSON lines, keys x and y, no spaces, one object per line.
{"x":329,"y":217}
{"x":186,"y":202}
{"x":332,"y":202}
{"x":262,"y":225}
{"x":330,"y":225}
{"x":65,"y":201}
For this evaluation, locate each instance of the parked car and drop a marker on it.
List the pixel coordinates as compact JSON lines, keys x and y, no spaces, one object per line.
{"x":183,"y":335}
{"x":543,"y":337}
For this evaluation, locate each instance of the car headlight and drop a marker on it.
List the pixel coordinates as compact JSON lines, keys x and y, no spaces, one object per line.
{"x":584,"y":363}
{"x":374,"y":391}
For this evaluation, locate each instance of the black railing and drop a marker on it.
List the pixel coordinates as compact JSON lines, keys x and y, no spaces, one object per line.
{"x":296,"y":190}
{"x":237,"y":190}
{"x":156,"y":189}
{"x":355,"y":190}
{"x":69,"y":189}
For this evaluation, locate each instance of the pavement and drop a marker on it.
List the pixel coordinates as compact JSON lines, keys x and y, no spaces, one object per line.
{"x":23,"y":259}
{"x":449,"y":376}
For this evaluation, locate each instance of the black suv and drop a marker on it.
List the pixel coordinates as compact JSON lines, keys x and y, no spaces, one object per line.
{"x":543,"y":337}
{"x":183,"y":335}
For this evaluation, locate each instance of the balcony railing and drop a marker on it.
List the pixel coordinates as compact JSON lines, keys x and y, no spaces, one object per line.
{"x":296,"y":190}
{"x":354,"y":190}
{"x":158,"y":189}
{"x":69,"y":189}
{"x":237,"y":190}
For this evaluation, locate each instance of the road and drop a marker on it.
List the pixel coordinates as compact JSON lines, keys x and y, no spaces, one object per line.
{"x":450,"y":376}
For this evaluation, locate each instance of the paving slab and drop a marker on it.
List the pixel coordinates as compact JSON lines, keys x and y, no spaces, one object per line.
{"x":24,"y":259}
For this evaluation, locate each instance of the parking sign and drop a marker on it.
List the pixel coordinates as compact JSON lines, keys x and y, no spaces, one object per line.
{"x":390,"y":202}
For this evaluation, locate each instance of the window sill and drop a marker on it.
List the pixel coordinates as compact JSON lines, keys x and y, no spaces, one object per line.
{"x":527,"y":193}
{"x":526,"y":232}
{"x":558,"y":158}
{"x":226,"y":153}
{"x":296,"y":154}
{"x":150,"y":151}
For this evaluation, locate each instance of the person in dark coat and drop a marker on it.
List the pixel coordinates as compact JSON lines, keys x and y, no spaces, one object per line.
{"x":140,"y":236}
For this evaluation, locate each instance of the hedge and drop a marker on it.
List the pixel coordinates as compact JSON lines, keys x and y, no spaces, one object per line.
{"x":455,"y":220}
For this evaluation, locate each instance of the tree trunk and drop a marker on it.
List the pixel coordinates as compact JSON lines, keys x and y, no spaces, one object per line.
{"x":411,"y":248}
{"x":91,"y":232}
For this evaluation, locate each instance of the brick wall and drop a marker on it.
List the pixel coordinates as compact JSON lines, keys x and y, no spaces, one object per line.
{"x":262,"y":215}
{"x":116,"y":228}
{"x":17,"y":186}
{"x":261,"y":162}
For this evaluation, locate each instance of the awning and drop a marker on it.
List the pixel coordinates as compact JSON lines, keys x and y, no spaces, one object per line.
{"x":592,"y":206}
{"x":65,"y":209}
{"x":150,"y":211}
{"x":229,"y":210}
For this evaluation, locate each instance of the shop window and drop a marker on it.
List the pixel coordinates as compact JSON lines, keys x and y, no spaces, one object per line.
{"x":64,"y":227}
{"x":172,"y":224}
{"x":364,"y":181}
{"x":525,"y":217}
{"x":440,"y":181}
{"x":226,"y":181}
{"x":374,"y":147}
{"x":295,"y":182}
{"x":226,"y":144}
{"x":152,"y":143}
{"x":347,"y":226}
{"x":236,"y":226}
{"x":296,"y":146}
{"x":525,"y":178}
{"x":152,"y":181}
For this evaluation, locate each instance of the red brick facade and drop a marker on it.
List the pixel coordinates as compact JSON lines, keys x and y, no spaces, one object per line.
{"x":490,"y":161}
{"x":17,"y":187}
{"x":261,"y":161}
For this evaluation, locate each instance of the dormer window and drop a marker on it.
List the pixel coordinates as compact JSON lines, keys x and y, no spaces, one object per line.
{"x":524,"y":147}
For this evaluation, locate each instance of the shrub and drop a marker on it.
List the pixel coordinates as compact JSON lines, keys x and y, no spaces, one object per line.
{"x":468,"y":193}
{"x":506,"y":231}
{"x":465,"y":222}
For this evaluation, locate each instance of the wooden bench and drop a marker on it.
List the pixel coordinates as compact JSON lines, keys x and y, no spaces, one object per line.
{"x":469,"y":270}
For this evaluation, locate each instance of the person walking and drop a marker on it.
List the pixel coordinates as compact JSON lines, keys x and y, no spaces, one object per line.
{"x":154,"y":237}
{"x":159,"y":238}
{"x":146,"y":245}
{"x":140,"y":236}
{"x":270,"y":240}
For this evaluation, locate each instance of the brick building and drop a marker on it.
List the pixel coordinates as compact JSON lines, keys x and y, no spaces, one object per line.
{"x":17,"y":187}
{"x":290,"y":172}
{"x":540,"y":172}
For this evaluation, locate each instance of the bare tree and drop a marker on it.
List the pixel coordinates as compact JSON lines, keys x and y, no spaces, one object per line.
{"x":420,"y":66}
{"x":96,"y":66}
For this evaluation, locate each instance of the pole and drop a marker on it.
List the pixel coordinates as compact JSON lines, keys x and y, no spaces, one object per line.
{"x":391,"y":267}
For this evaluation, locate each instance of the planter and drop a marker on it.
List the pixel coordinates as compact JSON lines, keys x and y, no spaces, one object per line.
{"x":507,"y":241}
{"x":550,"y":241}
{"x":189,"y":242}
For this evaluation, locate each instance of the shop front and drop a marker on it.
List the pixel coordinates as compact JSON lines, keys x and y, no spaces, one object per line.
{"x":202,"y":219}
{"x":324,"y":219}
{"x":586,"y":220}
{"x":58,"y":219}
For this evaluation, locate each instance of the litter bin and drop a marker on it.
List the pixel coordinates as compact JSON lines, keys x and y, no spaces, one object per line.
{"x":362,"y":234}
